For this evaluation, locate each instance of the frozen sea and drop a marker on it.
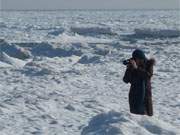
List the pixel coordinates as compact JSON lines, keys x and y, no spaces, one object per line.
{"x":61,"y":71}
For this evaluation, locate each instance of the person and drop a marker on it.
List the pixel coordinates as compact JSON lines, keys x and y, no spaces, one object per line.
{"x":139,"y":73}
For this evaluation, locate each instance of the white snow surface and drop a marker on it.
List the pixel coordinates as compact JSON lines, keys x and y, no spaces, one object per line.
{"x":90,"y":30}
{"x":157,"y":33}
{"x":56,"y":80}
{"x":12,"y":61}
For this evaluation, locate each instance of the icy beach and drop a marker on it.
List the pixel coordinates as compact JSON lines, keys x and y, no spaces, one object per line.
{"x":61,"y":72}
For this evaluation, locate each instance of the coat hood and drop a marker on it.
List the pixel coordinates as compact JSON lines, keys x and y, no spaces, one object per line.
{"x":151,"y":62}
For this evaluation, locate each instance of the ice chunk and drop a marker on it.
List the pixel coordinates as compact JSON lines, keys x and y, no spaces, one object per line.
{"x":14,"y":50}
{"x":12,"y":61}
{"x":56,"y":32}
{"x":92,"y":30}
{"x":157,"y":33}
{"x":88,"y":58}
{"x":65,"y":38}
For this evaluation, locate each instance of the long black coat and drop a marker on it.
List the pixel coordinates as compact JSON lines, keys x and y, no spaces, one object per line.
{"x":140,"y":95}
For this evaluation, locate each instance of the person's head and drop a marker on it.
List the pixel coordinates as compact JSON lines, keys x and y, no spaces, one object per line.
{"x":139,"y":56}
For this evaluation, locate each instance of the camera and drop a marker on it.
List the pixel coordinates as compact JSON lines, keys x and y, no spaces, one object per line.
{"x":126,"y":62}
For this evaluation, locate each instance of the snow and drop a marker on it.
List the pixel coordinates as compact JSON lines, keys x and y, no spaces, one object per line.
{"x":118,"y":123}
{"x":90,"y":30}
{"x":65,"y":38}
{"x":3,"y":64}
{"x":157,"y":33}
{"x":88,"y":58}
{"x":12,"y":61}
{"x":56,"y":32}
{"x":14,"y":50}
{"x":70,"y":83}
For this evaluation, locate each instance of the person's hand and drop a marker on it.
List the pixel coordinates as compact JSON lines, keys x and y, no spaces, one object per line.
{"x":133,"y":64}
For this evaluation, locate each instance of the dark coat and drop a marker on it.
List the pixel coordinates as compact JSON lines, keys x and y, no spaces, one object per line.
{"x":140,"y":95}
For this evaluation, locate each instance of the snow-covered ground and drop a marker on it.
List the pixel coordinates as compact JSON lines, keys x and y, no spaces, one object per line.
{"x":61,"y":72}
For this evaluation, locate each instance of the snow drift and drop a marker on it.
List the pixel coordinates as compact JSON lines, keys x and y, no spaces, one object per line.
{"x":117,"y":123}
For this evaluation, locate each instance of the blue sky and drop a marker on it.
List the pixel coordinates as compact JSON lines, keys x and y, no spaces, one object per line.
{"x":90,"y":4}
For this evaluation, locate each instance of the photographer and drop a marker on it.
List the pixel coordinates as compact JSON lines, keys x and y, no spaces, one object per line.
{"x":138,"y":73}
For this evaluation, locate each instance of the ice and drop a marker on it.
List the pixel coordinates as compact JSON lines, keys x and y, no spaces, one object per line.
{"x":61,"y":72}
{"x":56,"y":32}
{"x":87,"y":30}
{"x":3,"y":25}
{"x":13,"y":50}
{"x":157,"y":33}
{"x":70,"y":107}
{"x":88,"y":58}
{"x":12,"y":61}
{"x":4,"y":65}
{"x":47,"y":49}
{"x":65,"y":38}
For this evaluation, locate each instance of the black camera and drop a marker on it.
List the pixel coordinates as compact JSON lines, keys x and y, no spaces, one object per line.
{"x":126,"y":62}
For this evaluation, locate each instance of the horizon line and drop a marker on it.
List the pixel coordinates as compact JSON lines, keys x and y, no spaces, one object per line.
{"x":81,"y":9}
